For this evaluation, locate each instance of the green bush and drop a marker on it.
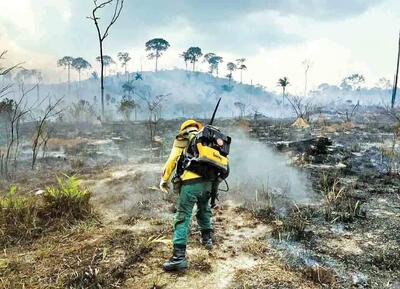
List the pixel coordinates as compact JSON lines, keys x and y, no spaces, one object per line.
{"x":18,"y":215}
{"x":23,"y":217}
{"x":67,"y":199}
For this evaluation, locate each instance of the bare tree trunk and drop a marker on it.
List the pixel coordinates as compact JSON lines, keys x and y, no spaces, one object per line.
{"x":102,"y":78}
{"x":101,"y":36}
{"x":396,"y":76}
{"x":1,"y":163}
{"x":17,"y":144}
{"x":305,"y":83}
{"x":156,"y":63}
{"x":38,"y":92}
{"x":241,"y":72}
{"x":79,"y":84}
{"x":69,"y":77}
{"x":9,"y":146}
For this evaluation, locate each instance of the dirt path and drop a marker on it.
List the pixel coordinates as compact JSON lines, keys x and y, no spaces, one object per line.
{"x":240,"y":240}
{"x":241,"y":258}
{"x":236,"y":230}
{"x":232,"y":231}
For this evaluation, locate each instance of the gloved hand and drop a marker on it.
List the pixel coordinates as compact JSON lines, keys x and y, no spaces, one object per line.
{"x":164,"y":186}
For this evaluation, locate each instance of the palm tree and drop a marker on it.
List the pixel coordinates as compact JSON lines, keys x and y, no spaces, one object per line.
{"x":283,"y":82}
{"x":129,"y":88}
{"x":124,"y":58}
{"x":126,"y":106}
{"x":240,"y":65}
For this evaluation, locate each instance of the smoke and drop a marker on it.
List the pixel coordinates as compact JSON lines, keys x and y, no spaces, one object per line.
{"x":194,"y":95}
{"x":256,"y":167}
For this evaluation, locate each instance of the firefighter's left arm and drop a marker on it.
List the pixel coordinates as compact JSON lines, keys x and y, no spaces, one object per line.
{"x":176,"y":152}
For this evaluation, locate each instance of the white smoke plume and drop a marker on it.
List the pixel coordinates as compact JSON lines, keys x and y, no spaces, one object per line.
{"x":255,"y":167}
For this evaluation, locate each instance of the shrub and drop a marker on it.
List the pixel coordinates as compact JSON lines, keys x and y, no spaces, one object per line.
{"x":67,"y":199}
{"x":293,"y":226}
{"x":23,"y":217}
{"x":18,"y":215}
{"x":341,"y":204}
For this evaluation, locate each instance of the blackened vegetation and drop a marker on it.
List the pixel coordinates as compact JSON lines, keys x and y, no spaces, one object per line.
{"x":341,"y":202}
{"x":349,"y":236}
{"x":293,"y":226}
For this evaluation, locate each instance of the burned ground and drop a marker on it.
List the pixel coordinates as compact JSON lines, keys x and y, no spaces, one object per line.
{"x":345,"y":236}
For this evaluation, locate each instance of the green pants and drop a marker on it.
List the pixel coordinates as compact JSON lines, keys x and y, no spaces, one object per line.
{"x":190,"y":194}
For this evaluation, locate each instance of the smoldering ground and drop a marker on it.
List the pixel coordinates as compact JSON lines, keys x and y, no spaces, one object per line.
{"x":256,"y":168}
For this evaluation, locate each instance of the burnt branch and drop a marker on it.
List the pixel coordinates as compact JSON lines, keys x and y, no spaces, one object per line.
{"x":302,"y":107}
{"x":42,"y":131}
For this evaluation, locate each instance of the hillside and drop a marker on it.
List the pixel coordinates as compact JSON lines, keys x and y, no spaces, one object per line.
{"x":188,"y":93}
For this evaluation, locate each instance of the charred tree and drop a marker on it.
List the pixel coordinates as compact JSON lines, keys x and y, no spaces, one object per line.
{"x":41,"y":135}
{"x":119,"y":4}
{"x":12,"y":112}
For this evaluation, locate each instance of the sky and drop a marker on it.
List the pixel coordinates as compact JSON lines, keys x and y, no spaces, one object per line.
{"x":338,"y":37}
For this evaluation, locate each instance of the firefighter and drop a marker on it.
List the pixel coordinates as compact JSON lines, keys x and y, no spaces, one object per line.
{"x":193,"y":189}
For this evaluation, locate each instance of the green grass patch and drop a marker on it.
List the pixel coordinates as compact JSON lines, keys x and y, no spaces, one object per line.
{"x":24,"y":217}
{"x":67,"y":199}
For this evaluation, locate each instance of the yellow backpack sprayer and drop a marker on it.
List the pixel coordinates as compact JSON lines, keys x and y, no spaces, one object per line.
{"x":207,"y":155}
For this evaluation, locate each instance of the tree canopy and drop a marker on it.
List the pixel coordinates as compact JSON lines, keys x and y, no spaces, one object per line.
{"x":156,"y":47}
{"x":107,"y":60}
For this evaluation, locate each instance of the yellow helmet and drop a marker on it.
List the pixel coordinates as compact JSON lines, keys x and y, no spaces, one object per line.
{"x":190,"y":122}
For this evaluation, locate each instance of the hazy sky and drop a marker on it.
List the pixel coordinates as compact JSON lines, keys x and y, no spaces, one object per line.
{"x":339,"y":36}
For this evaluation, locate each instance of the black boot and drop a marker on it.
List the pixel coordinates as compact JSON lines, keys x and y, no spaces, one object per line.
{"x":178,"y":261}
{"x":206,"y":239}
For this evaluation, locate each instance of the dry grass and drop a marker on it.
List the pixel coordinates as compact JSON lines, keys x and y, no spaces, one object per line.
{"x":269,"y":275}
{"x":337,"y":127}
{"x":340,"y":203}
{"x":387,"y":257}
{"x":18,"y":216}
{"x":321,"y":275}
{"x":81,"y":257}
{"x":293,"y":225}
{"x":61,"y":142}
{"x":44,"y":263}
{"x":200,"y":261}
{"x":256,"y":247}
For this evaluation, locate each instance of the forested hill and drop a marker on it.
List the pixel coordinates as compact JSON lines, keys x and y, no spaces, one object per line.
{"x":183,"y":93}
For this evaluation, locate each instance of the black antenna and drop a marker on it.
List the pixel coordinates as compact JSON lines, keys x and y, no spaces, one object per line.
{"x":215,"y":111}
